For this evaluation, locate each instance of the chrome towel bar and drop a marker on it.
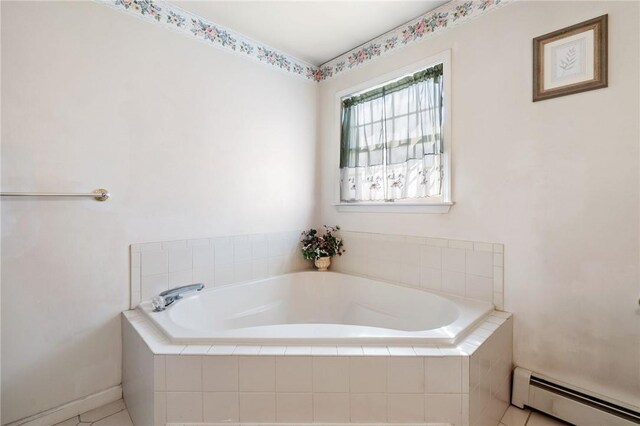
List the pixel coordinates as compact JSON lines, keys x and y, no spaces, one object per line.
{"x":99,"y":194}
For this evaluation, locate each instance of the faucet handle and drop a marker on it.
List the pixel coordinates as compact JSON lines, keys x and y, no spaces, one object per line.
{"x":158,"y":303}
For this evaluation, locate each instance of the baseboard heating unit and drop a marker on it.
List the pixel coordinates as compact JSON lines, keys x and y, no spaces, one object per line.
{"x":569,"y":403}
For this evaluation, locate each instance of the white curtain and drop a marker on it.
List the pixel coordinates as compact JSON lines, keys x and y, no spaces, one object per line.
{"x":391,"y":142}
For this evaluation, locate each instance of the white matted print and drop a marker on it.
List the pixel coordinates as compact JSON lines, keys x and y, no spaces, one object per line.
{"x":566,"y":60}
{"x":571,"y":60}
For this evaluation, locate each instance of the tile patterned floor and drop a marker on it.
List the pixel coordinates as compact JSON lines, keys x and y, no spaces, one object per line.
{"x":517,"y":417}
{"x":113,"y":414}
{"x":116,"y":414}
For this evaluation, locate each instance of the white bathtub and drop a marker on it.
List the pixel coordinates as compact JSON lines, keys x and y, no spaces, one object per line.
{"x":317,"y":308}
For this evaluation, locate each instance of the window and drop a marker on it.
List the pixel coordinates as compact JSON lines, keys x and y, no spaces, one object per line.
{"x":393,"y":141}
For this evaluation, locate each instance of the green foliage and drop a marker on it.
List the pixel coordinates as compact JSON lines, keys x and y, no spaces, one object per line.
{"x":315,"y":246}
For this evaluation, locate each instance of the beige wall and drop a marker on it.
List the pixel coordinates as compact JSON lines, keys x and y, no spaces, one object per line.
{"x":555,"y":181}
{"x":191,"y":141}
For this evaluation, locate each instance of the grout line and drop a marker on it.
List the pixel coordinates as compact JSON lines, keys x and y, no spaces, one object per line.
{"x":201,"y":357}
{"x":313,"y":402}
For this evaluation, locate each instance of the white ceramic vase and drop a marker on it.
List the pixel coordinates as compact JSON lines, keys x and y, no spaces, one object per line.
{"x":322,"y":263}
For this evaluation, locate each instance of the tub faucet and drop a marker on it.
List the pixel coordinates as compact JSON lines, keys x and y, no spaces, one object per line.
{"x":167,"y":297}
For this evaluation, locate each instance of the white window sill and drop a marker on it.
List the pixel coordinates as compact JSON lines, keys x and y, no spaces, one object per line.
{"x":395,"y":207}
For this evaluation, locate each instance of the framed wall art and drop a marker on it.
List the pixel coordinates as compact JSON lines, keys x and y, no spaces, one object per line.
{"x":570,"y":60}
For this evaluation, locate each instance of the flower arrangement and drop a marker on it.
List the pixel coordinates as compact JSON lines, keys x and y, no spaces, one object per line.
{"x":316,"y":246}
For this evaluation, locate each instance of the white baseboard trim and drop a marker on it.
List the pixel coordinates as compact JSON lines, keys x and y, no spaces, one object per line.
{"x":73,"y":408}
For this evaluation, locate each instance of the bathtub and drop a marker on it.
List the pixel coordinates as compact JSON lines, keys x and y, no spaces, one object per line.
{"x":318,"y":308}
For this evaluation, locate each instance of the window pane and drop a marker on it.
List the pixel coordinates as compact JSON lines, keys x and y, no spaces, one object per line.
{"x":394,"y":145}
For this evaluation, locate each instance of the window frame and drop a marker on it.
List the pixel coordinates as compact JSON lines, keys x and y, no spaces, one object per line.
{"x":414,"y":205}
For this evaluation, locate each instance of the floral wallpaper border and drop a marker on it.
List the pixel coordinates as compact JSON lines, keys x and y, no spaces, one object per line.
{"x":436,"y":21}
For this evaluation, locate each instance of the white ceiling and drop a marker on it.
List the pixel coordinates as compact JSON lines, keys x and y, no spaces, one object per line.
{"x":311,"y":30}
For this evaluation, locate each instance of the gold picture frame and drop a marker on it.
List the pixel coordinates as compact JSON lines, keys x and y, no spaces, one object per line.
{"x":570,"y":60}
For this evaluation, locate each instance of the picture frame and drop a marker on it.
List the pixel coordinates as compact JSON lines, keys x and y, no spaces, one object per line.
{"x":571,"y":60}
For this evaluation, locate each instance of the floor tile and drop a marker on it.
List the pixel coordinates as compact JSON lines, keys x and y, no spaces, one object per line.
{"x":514,"y":416}
{"x":539,"y":419}
{"x":71,"y":422}
{"x":102,"y":412}
{"x":119,"y":419}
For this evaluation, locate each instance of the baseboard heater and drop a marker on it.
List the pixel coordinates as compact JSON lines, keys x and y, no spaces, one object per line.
{"x":569,"y":403}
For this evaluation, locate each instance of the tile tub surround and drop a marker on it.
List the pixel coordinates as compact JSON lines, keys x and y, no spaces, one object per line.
{"x":239,"y":384}
{"x":469,"y":269}
{"x":158,"y":266}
